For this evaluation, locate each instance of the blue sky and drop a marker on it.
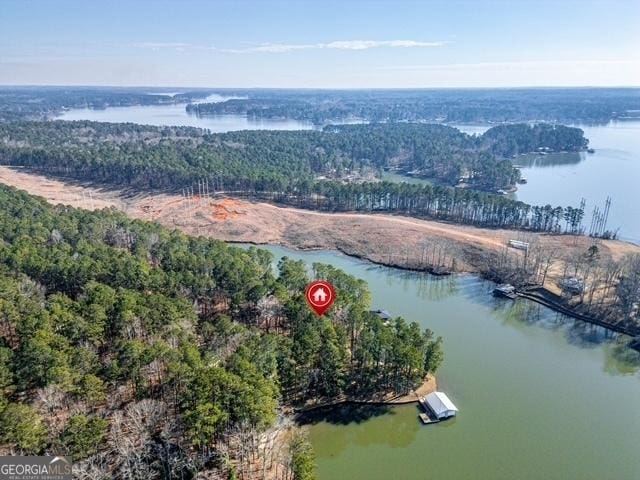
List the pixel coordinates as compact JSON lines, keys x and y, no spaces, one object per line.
{"x":351,"y":44}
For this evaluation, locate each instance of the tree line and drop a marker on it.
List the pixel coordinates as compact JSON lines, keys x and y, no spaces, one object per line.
{"x":142,"y":352}
{"x":566,"y":105}
{"x":287,"y":167}
{"x":436,"y":151}
{"x":577,"y":105}
{"x":38,"y":103}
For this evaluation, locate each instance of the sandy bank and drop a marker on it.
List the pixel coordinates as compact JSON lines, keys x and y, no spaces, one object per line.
{"x":429,"y":385}
{"x":392,"y":240}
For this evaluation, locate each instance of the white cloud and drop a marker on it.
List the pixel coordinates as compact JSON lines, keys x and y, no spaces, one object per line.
{"x":291,"y":47}
{"x":366,"y":44}
{"x":274,"y":48}
{"x":340,"y":45}
{"x":161,"y":45}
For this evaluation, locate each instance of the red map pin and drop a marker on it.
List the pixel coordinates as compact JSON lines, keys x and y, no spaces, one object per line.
{"x":320,"y":295}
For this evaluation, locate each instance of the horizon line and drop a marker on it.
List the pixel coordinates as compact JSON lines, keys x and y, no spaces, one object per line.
{"x":497,"y":87}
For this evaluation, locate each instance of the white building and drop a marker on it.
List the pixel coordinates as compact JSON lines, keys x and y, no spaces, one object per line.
{"x":440,"y":404}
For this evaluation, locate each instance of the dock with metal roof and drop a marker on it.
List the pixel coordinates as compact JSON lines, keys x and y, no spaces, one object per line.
{"x":437,"y":406}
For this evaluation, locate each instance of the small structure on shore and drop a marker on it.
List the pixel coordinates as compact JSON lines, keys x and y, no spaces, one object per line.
{"x":571,"y":285}
{"x":439,"y":271}
{"x":437,"y":407}
{"x":382,"y":314}
{"x":505,"y":290}
{"x":517,"y":244}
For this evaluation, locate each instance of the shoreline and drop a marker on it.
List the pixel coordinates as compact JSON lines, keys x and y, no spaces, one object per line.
{"x":429,"y":385}
{"x":566,"y":310}
{"x":352,"y":255}
{"x":532,"y":296}
{"x":394,"y":241}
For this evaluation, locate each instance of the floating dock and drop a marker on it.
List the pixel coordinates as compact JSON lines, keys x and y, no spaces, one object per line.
{"x":426,"y":419}
{"x":505,"y":290}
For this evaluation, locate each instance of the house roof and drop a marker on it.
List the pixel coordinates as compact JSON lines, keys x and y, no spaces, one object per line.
{"x":439,"y":402}
{"x":384,"y":314}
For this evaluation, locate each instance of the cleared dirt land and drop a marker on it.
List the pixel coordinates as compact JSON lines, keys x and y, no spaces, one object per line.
{"x":387,"y":239}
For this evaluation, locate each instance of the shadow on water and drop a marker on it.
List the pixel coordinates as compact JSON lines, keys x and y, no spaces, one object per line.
{"x":477,"y":290}
{"x":344,"y":414}
{"x":426,"y":286}
{"x":576,"y":332}
{"x":551,"y":160}
{"x":586,"y":335}
{"x":363,"y":426}
{"x":621,"y":359}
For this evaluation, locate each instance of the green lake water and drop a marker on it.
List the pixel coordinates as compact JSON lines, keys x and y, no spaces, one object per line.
{"x":541,"y":396}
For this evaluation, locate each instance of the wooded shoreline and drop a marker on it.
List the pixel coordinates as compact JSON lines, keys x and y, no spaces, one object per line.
{"x":557,"y":307}
{"x":429,"y":385}
{"x":462,"y":249}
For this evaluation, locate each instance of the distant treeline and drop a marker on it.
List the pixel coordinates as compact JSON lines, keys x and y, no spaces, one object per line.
{"x":174,"y":157}
{"x":139,"y":351}
{"x":566,"y":105}
{"x":447,"y":154}
{"x":559,"y":105}
{"x":284,"y":167}
{"x":37,"y":103}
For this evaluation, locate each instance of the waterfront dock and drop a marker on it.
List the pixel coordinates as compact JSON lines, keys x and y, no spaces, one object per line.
{"x":437,"y":406}
{"x":426,"y":419}
{"x":505,"y":290}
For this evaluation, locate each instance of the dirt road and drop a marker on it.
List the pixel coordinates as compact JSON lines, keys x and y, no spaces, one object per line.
{"x":388,"y":239}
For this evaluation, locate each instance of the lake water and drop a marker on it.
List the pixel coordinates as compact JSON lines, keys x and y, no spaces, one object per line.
{"x":168,"y":115}
{"x":541,"y":396}
{"x":564,"y":179}
{"x":614,"y":170}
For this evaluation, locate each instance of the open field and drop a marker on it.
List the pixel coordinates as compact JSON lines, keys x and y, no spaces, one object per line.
{"x":386,"y":239}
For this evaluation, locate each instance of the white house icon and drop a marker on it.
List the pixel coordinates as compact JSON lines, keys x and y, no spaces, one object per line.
{"x":320,"y":296}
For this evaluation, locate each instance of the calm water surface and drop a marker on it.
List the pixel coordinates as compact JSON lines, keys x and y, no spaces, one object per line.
{"x":614,"y":170}
{"x":564,"y":179}
{"x":540,"y":396}
{"x":168,"y":115}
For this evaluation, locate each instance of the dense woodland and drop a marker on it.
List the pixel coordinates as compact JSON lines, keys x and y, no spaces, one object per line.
{"x":141,"y":352}
{"x":288,"y":167}
{"x":565,"y":105}
{"x":435,"y":151}
{"x":144,"y":353}
{"x":446,"y":154}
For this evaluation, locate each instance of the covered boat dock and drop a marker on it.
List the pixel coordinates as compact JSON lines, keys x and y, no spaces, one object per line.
{"x":437,"y":407}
